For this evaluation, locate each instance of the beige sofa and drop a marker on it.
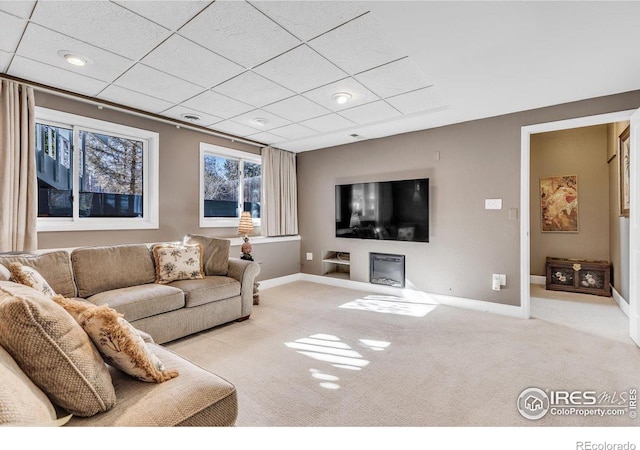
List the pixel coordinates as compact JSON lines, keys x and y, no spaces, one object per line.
{"x":123,"y":277}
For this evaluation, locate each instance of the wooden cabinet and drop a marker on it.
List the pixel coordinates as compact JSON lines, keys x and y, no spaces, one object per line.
{"x":577,"y":275}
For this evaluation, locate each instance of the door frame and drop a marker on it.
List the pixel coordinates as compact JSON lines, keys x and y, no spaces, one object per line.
{"x":525,"y":176}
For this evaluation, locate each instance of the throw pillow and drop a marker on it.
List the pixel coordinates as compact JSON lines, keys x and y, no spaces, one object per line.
{"x":30,"y":277}
{"x":117,"y":340}
{"x":215,"y":253}
{"x":5,"y":275}
{"x":54,"y":351}
{"x":177,"y":262}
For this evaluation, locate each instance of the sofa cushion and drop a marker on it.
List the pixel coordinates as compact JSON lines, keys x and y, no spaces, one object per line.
{"x":138,"y":302}
{"x":54,"y":351}
{"x":177,"y":262}
{"x":100,"y":269}
{"x":211,"y":289}
{"x":30,"y":277}
{"x":196,"y":398}
{"x":215,"y":253}
{"x":55,"y":267}
{"x":21,"y":401}
{"x":117,"y":341}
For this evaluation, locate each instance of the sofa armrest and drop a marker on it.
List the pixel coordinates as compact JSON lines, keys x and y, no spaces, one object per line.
{"x":245,"y":272}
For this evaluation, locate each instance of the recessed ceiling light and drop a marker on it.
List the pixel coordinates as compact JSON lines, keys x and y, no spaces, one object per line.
{"x":190,"y":117}
{"x":73,"y":58}
{"x":260,"y":121}
{"x":341,"y":97}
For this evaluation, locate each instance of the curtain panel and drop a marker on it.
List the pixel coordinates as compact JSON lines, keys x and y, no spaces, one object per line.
{"x":280,"y":193}
{"x":18,"y":178}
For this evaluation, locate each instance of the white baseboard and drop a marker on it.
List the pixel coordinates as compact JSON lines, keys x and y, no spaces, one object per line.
{"x":408,"y":295}
{"x":537,"y":279}
{"x":619,"y":299}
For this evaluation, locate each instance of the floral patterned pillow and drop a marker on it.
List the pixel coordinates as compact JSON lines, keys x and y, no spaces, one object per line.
{"x":177,"y":262}
{"x":29,"y":276}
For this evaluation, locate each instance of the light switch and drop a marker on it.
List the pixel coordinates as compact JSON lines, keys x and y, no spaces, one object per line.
{"x":309,"y":256}
{"x":493,"y":203}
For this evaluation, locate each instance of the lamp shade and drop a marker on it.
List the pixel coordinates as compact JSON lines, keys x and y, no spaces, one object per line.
{"x":246,"y":224}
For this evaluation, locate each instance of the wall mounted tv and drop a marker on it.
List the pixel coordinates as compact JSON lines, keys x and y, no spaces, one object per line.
{"x":386,"y":210}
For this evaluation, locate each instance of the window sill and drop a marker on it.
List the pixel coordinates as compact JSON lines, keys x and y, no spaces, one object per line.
{"x":258,"y":240}
{"x":96,"y":224}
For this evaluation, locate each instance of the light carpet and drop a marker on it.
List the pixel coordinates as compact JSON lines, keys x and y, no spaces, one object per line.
{"x":316,"y":355}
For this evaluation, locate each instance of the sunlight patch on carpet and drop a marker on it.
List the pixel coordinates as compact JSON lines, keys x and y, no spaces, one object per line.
{"x":387,"y":304}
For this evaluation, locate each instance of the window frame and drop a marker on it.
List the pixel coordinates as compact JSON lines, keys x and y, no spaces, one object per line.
{"x":150,"y":174}
{"x":228,"y":153}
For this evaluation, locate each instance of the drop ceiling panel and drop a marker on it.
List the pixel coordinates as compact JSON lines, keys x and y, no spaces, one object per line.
{"x":307,"y":20}
{"x":236,"y":30}
{"x":328,"y":123}
{"x":5,"y":58}
{"x":55,"y":77}
{"x":184,"y":59}
{"x":169,"y":14}
{"x":233,"y":128}
{"x":358,"y":45}
{"x":294,"y":131}
{"x":11,"y":29}
{"x":216,"y":104}
{"x":177,"y":112}
{"x":146,"y":80}
{"x":416,"y":101}
{"x":273,"y":121}
{"x":359,"y":94}
{"x":300,"y":69}
{"x":17,"y":8}
{"x":371,"y":112}
{"x":266,"y":137}
{"x":394,"y":79}
{"x":103,"y":24}
{"x":117,"y":94}
{"x":296,"y":109}
{"x":253,"y":89}
{"x":42,"y":44}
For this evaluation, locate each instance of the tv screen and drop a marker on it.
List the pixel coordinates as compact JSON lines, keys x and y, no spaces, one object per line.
{"x":387,"y":210}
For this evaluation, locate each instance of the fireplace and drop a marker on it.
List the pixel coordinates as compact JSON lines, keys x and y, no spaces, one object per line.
{"x":386,"y":269}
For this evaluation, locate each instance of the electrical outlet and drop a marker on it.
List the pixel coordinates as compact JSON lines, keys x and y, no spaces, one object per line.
{"x":309,"y":256}
{"x":495,"y":282}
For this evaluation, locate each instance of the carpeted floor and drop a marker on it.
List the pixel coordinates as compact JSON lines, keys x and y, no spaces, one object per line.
{"x":315,"y":355}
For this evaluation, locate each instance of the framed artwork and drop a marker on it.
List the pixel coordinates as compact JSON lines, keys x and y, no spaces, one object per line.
{"x":623,"y":161}
{"x":559,"y":203}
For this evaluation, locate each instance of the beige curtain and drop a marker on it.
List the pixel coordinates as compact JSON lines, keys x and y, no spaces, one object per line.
{"x":279,"y":194}
{"x":18,"y":180}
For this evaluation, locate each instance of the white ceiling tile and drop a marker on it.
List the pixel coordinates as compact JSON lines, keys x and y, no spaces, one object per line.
{"x":416,"y":101}
{"x":216,"y":104}
{"x":236,"y":30}
{"x":359,"y":94}
{"x":328,"y":123}
{"x":17,"y":8}
{"x":296,"y":109}
{"x":177,"y":112}
{"x":233,"y":128}
{"x":395,"y":78}
{"x":42,"y":44}
{"x":5,"y":59}
{"x":170,"y":14}
{"x":358,"y":45}
{"x":294,"y":131}
{"x":54,"y":77}
{"x":266,"y":137}
{"x":273,"y":121}
{"x":146,"y":80}
{"x":300,"y":69}
{"x":122,"y":96}
{"x":11,"y":29}
{"x":103,"y":24}
{"x":253,"y":89}
{"x":182,"y":58}
{"x":307,"y":20}
{"x":369,"y":113}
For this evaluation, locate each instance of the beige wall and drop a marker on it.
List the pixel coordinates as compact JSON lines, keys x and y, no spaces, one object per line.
{"x":478,"y":160}
{"x":179,"y":195}
{"x":618,"y":226}
{"x":581,"y":152}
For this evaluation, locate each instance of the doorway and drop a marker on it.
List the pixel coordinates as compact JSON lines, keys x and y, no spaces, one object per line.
{"x":525,"y":237}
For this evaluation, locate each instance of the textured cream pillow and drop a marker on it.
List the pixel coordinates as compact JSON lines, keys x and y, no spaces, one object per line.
{"x":30,"y":277}
{"x":117,"y":340}
{"x":177,"y":262}
{"x":5,"y":275}
{"x":54,"y":351}
{"x":215,"y":253}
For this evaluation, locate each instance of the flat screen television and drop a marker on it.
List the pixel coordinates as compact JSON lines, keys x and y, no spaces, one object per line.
{"x":385,"y":210}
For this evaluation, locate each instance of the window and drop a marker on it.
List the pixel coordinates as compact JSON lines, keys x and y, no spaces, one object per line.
{"x":94,"y":175}
{"x":230,"y":183}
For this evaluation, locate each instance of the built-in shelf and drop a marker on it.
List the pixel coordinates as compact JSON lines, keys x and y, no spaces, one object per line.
{"x":336,"y":264}
{"x":336,"y":261}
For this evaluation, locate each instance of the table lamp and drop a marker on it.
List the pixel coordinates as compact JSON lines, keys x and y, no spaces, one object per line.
{"x":246,"y":228}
